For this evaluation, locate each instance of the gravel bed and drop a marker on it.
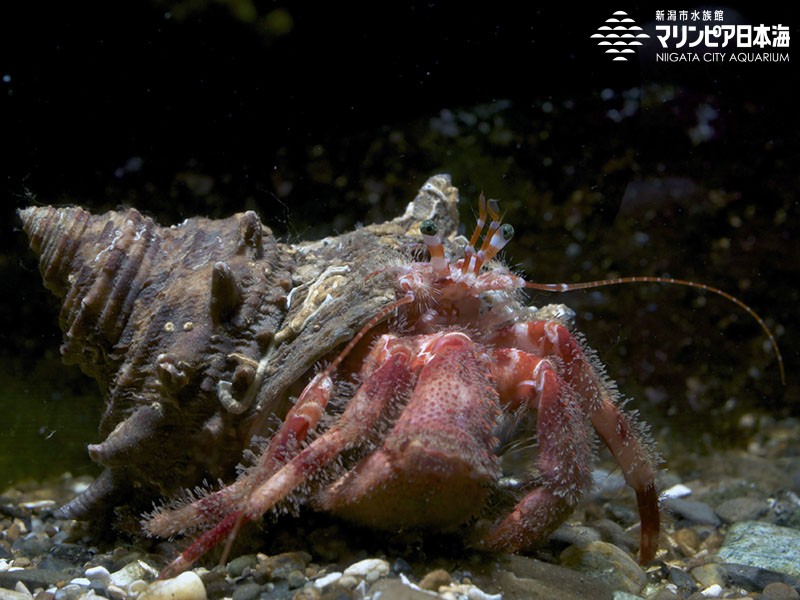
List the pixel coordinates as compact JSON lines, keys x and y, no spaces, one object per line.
{"x":732,"y":530}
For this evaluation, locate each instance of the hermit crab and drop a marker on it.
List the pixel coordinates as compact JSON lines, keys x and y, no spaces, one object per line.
{"x":419,"y":390}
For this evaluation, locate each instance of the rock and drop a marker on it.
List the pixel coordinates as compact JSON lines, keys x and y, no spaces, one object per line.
{"x":14,"y":595}
{"x":780,"y":591}
{"x":236,"y":567}
{"x":246,"y":591}
{"x":763,"y":545}
{"x":710,"y":574}
{"x":687,"y":541}
{"x":296,"y":579}
{"x":692,"y":510}
{"x":754,"y":579}
{"x":401,"y":566}
{"x":608,"y":563}
{"x":579,"y":535}
{"x":32,"y":578}
{"x":280,"y":565}
{"x":435,"y":579}
{"x":69,"y":592}
{"x":523,"y":578}
{"x":98,"y":574}
{"x":681,"y":579}
{"x":186,"y":586}
{"x":742,"y":509}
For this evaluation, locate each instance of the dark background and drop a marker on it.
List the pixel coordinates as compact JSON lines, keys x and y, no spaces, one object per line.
{"x":321,"y":118}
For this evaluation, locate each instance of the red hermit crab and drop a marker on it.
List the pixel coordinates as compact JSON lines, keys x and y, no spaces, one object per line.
{"x":429,"y":403}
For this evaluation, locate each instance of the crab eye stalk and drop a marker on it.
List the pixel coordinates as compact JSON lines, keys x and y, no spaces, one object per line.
{"x":500,"y":238}
{"x":428,"y":228}
{"x":430,"y":233}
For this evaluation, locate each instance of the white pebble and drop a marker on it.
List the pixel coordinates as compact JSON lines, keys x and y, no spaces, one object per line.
{"x":81,"y":581}
{"x":116,"y":593}
{"x":186,"y":586}
{"x":677,"y":491}
{"x":370,"y":569}
{"x":4,"y":566}
{"x":712,"y":591}
{"x":98,"y":574}
{"x":12,"y":595}
{"x":327,"y":580}
{"x":22,"y":589}
{"x":137,"y":587}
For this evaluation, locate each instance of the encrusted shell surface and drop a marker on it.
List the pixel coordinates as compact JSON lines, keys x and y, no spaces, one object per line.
{"x":199,"y":332}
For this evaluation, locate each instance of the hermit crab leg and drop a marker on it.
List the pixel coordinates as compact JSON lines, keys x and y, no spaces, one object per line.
{"x":620,"y":433}
{"x":356,"y":424}
{"x":525,"y":380}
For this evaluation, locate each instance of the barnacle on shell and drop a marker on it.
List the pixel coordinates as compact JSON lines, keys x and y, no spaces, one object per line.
{"x":197,"y":333}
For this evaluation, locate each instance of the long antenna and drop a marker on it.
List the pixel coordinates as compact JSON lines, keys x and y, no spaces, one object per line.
{"x":568,"y":287}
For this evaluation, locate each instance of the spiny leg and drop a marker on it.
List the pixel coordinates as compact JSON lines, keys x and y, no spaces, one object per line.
{"x":301,"y":419}
{"x":626,"y":440}
{"x":211,"y":508}
{"x":354,"y":426}
{"x":530,"y":382}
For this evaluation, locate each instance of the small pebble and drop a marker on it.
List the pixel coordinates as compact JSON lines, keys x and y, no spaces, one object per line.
{"x":186,"y":586}
{"x":435,"y":579}
{"x":692,"y":510}
{"x":280,"y":565}
{"x":69,"y":592}
{"x":713,"y":591}
{"x":780,"y":591}
{"x":137,"y":587}
{"x":14,"y":595}
{"x":116,"y":593}
{"x":687,"y":541}
{"x":369,"y":569}
{"x":237,"y":566}
{"x":98,"y":574}
{"x":246,"y":591}
{"x":14,"y":530}
{"x":327,"y":580}
{"x":608,"y":563}
{"x":401,"y":566}
{"x":677,"y":491}
{"x":681,"y":579}
{"x":296,"y":579}
{"x":742,"y":509}
{"x":710,"y":574}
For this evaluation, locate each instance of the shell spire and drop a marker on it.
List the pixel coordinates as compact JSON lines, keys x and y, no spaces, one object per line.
{"x":155,"y":314}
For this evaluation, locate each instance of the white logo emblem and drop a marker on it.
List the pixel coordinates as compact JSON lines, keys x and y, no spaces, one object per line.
{"x":620,"y":33}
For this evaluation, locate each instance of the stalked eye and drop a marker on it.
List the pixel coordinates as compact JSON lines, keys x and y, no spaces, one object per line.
{"x":428,"y":228}
{"x":507,"y":231}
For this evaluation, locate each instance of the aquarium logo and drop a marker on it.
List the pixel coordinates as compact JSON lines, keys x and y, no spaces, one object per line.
{"x":620,"y":35}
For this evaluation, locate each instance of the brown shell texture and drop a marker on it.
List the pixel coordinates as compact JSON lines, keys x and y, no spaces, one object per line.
{"x":199,"y":334}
